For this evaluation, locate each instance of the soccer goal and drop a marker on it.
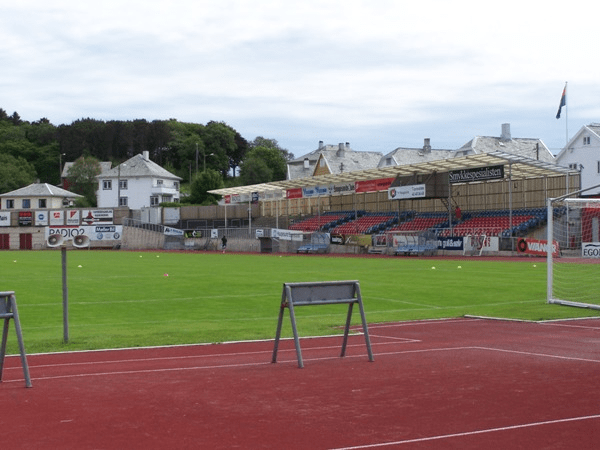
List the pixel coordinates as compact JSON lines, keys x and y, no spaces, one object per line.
{"x":573,"y":252}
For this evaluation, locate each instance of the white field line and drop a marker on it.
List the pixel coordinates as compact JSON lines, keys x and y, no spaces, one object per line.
{"x":472,"y":433}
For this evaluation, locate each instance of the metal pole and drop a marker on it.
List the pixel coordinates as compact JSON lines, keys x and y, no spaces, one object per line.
{"x":63,"y":252}
{"x":119,"y":187}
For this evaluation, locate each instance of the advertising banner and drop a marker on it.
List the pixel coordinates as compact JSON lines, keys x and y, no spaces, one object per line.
{"x":286,"y":235}
{"x":294,"y":193}
{"x":57,"y":217}
{"x":342,"y":188}
{"x":315,"y":191}
{"x":373,"y":185}
{"x":4,"y":218}
{"x":97,"y":216}
{"x":25,"y":218}
{"x":450,"y":243}
{"x":478,"y":174}
{"x":73,"y":216}
{"x":537,"y":247}
{"x":41,"y":218}
{"x":168,"y":231}
{"x":404,"y":192}
{"x":590,"y":250}
{"x":93,"y":232}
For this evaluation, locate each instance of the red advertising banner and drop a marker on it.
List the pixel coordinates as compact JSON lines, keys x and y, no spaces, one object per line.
{"x":537,"y":247}
{"x":294,"y":193}
{"x":373,"y":185}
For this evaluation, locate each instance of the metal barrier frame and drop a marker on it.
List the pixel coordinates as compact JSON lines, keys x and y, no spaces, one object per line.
{"x":321,"y":293}
{"x":8,"y":310}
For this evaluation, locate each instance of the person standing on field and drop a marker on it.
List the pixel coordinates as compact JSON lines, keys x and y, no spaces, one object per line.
{"x":224,"y":243}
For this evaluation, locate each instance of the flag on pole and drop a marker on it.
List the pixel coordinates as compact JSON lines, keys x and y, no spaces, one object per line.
{"x":563,"y":102}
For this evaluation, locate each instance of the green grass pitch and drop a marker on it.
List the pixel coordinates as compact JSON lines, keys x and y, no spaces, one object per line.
{"x":125,"y":299}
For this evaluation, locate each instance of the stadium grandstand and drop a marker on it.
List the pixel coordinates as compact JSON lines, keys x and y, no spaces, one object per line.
{"x":500,"y":195}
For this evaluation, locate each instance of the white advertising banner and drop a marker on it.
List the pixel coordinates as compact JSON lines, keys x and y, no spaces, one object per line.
{"x":590,"y":250}
{"x":97,"y":216}
{"x":168,"y":231}
{"x":73,"y":216}
{"x":57,"y":217}
{"x":404,"y":192}
{"x":4,"y":218}
{"x":41,"y":218}
{"x":94,"y":232}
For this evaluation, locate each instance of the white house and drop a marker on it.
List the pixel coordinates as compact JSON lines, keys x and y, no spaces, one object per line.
{"x":38,"y":196}
{"x":583,"y":153}
{"x":137,"y":183}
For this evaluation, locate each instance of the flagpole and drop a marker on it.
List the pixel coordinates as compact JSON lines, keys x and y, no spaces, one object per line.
{"x":566,"y":118}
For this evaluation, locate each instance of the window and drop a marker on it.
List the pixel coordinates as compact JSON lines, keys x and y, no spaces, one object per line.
{"x":159,"y":182}
{"x":123,"y":184}
{"x":598,"y":172}
{"x":154,"y":200}
{"x":26,"y":203}
{"x":586,"y":140}
{"x":42,"y":203}
{"x":176,"y":184}
{"x":10,"y":204}
{"x":122,"y":201}
{"x":573,"y":166}
{"x":107,"y":185}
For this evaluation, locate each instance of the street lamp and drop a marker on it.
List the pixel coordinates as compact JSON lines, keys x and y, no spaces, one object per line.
{"x":60,"y":155}
{"x":210,"y":154}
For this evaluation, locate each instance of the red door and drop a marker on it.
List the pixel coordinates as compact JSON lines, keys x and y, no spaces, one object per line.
{"x":4,"y":241}
{"x":26,"y":240}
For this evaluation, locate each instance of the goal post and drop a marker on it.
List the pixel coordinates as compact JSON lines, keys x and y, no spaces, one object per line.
{"x":573,"y":252}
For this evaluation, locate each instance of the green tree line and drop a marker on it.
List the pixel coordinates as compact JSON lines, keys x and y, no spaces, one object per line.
{"x":31,"y":151}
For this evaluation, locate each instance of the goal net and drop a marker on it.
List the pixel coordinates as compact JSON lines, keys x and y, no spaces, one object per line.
{"x":574,"y":257}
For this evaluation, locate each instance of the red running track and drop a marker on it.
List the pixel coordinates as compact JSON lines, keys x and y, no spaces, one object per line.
{"x":461,"y":383}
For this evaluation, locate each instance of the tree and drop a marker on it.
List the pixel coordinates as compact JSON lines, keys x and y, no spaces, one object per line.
{"x":219,"y":142}
{"x":255,"y":171}
{"x":260,"y":141}
{"x":262,"y":165}
{"x":15,"y":173}
{"x":204,"y":182}
{"x":82,"y":177}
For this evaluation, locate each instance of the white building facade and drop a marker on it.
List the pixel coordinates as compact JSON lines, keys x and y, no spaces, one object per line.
{"x":583,"y":153}
{"x":137,"y":183}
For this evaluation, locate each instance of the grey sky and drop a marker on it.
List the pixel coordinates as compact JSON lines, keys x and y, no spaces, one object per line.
{"x":378,"y":74}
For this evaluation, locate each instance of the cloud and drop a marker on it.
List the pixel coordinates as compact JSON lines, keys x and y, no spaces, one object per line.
{"x":405,"y":70}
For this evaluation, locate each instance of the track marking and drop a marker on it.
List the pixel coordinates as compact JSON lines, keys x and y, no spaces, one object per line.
{"x":213,"y":355}
{"x":473,"y":433}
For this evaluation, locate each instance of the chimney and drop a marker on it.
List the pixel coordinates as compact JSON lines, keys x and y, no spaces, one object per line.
{"x":426,"y":145}
{"x":146,"y":155}
{"x":340,"y":151}
{"x":320,"y":145}
{"x":347,"y":145}
{"x":306,"y":164}
{"x":505,"y":136}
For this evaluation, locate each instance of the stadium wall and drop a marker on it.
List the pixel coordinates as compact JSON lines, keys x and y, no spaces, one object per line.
{"x":491,"y":195}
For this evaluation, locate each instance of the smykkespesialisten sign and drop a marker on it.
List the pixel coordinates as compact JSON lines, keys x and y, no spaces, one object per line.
{"x":478,"y":174}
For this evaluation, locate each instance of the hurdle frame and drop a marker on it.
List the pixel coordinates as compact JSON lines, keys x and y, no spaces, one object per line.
{"x":321,"y":293}
{"x":9,"y":310}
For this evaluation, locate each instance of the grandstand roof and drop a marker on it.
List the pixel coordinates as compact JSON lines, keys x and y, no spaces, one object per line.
{"x":521,"y":167}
